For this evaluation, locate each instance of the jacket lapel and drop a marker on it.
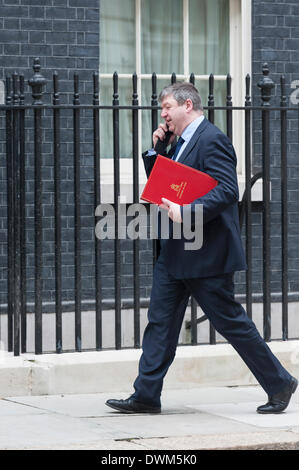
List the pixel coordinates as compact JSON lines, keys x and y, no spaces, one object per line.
{"x":193,"y":140}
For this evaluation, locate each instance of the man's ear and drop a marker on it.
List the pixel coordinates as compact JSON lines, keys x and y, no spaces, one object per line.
{"x":189,"y":105}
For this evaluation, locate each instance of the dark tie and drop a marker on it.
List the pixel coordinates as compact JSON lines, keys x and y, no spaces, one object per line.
{"x":178,"y":147}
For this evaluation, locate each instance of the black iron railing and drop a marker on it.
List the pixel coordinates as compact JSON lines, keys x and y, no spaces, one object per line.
{"x":15,"y":112}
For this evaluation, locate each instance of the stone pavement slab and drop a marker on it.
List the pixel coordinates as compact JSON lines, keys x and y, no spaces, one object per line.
{"x":194,"y":418}
{"x":173,"y":401}
{"x":244,"y":414}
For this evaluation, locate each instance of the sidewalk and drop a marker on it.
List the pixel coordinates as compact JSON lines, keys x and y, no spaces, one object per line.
{"x":194,"y":418}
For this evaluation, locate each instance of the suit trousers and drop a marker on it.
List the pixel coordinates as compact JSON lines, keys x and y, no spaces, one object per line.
{"x":215,"y":296}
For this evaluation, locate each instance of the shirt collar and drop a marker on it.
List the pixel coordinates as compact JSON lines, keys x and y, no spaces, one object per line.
{"x":191,"y":128}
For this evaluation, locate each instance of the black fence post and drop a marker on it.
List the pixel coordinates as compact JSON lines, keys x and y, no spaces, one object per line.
{"x":117,"y":260}
{"x":136,"y":242}
{"x":284,"y":209}
{"x":154,"y":115}
{"x":248,"y":198}
{"x":211,"y":117}
{"x":229,"y":112}
{"x":154,"y":103}
{"x":17,"y":217}
{"x":97,"y":202}
{"x":193,"y":322}
{"x":22,"y":215}
{"x":211,"y":103}
{"x":266,"y":84}
{"x":37,"y":82}
{"x":77,"y":214}
{"x":57,"y":203}
{"x":10,"y":219}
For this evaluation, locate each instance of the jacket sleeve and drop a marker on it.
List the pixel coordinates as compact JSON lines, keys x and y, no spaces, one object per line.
{"x":149,"y":161}
{"x":219,"y":162}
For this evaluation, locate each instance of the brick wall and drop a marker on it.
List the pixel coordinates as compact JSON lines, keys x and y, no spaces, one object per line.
{"x":64,"y":34}
{"x":275,"y":40}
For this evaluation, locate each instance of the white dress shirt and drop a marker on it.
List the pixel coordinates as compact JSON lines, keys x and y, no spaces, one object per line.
{"x":188,"y":133}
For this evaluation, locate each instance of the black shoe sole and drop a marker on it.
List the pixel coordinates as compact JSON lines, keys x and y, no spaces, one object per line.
{"x":122,"y":410}
{"x":294,"y":388}
{"x":295,"y":385}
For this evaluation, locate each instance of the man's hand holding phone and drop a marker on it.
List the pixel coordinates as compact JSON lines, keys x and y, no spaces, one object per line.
{"x":162,"y":137}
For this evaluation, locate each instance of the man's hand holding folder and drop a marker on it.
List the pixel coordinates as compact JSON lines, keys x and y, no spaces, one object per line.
{"x":174,"y":212}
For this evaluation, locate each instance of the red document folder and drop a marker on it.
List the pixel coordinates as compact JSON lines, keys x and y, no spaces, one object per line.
{"x":177,"y":182}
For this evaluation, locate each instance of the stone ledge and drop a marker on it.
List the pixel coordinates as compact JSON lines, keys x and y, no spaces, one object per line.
{"x":109,"y":371}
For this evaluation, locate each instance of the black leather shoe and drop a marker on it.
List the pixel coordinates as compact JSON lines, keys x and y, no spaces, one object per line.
{"x":132,"y":406}
{"x":279,"y":402}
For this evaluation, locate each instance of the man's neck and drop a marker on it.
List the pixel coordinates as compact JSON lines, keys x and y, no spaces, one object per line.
{"x":192,"y":118}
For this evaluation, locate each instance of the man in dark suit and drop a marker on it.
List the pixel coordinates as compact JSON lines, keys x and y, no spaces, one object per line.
{"x":206,"y":273}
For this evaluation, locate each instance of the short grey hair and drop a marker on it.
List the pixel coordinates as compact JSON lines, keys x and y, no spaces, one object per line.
{"x":182,"y":91}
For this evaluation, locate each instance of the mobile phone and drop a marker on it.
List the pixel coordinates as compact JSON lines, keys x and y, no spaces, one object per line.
{"x":164,"y":143}
{"x":168,"y":134}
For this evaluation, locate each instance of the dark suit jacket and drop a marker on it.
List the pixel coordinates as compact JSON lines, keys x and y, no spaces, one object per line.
{"x":211,"y":151}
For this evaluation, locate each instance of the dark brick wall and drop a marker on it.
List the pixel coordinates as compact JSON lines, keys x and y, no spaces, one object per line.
{"x":275,"y":40}
{"x":64,"y":34}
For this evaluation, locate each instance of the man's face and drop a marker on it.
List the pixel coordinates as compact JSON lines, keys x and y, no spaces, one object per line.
{"x":174,"y":115}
